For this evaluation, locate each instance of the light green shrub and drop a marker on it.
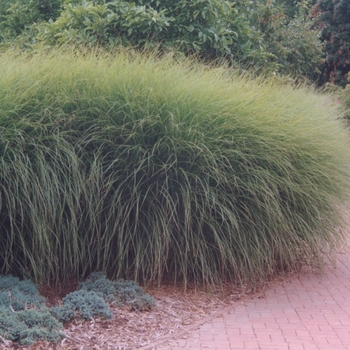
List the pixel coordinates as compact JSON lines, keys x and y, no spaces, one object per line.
{"x":149,"y":168}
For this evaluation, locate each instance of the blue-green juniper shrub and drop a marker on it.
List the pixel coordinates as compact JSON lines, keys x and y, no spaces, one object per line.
{"x":83,"y":303}
{"x":121,"y":291}
{"x":24,"y":318}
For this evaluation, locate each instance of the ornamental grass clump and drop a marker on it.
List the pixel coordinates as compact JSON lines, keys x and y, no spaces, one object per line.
{"x":148,"y":168}
{"x":345,"y":99}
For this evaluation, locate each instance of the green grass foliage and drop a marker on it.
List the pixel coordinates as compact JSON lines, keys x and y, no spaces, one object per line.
{"x":147,"y":168}
{"x":345,"y":99}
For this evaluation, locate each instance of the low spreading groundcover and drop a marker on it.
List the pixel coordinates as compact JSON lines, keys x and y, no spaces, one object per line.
{"x":25,"y":318}
{"x":147,"y":168}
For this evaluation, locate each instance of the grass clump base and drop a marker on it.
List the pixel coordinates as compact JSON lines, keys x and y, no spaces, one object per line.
{"x":147,"y":168}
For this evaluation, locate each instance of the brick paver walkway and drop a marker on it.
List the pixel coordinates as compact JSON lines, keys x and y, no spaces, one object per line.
{"x":310,"y":311}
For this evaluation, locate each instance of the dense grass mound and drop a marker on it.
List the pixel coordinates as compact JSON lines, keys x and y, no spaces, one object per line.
{"x":146,"y":168}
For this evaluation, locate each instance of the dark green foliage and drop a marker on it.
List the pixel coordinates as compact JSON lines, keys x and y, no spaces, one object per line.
{"x":23,"y":315}
{"x":232,"y":32}
{"x":83,"y":303}
{"x":292,"y":40}
{"x":334,"y":21}
{"x":16,"y":16}
{"x":5,"y":5}
{"x":14,"y":19}
{"x":47,"y":10}
{"x":212,"y":29}
{"x":292,"y":7}
{"x":212,"y":26}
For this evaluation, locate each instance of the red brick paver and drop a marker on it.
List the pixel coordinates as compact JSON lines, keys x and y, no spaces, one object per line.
{"x":308,"y":312}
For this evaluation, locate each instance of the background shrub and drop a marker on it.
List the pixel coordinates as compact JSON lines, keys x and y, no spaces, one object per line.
{"x":289,"y":34}
{"x":212,"y":29}
{"x":335,"y":33}
{"x":16,"y":16}
{"x":249,"y":33}
{"x":149,"y":168}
